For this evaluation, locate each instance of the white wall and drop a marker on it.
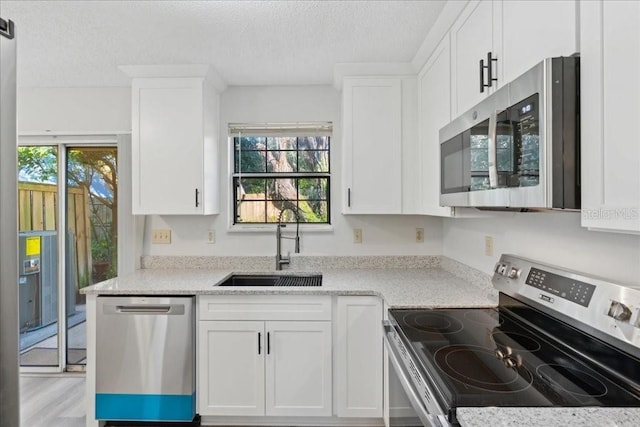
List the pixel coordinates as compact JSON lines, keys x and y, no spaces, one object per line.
{"x":382,"y":235}
{"x":554,"y":238}
{"x":74,"y":110}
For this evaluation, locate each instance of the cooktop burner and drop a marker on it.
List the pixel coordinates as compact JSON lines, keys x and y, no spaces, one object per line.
{"x":572,"y":380}
{"x":433,"y":322}
{"x":461,"y":362}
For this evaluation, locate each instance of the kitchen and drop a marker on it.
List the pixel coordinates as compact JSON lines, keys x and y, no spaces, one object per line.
{"x":552,"y":237}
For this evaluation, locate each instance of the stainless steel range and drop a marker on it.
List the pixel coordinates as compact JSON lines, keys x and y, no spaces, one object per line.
{"x":557,"y":339}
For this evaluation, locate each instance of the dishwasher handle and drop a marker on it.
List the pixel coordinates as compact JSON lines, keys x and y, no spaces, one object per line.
{"x":148,"y":309}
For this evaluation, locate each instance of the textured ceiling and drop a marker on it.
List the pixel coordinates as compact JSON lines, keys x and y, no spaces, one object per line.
{"x":82,"y":43}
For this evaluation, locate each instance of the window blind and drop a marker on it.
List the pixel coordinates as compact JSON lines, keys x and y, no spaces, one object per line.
{"x":281,"y":129}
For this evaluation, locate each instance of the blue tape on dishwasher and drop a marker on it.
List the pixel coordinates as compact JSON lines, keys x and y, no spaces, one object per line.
{"x":145,"y":407}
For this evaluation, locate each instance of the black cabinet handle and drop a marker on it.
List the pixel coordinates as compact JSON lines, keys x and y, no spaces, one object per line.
{"x":490,"y":61}
{"x":349,"y":197}
{"x":489,"y":67}
{"x":7,"y":28}
{"x":481,"y":75}
{"x":197,"y":202}
{"x":259,"y":343}
{"x":268,"y":343}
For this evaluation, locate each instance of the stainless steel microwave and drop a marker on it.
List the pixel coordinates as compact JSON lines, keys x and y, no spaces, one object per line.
{"x":520,"y":147}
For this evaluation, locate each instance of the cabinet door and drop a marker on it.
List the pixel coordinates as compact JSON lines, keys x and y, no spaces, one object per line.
{"x":298,"y":364}
{"x":434,"y":106}
{"x":610,"y":108}
{"x":533,"y":30}
{"x":472,"y":37}
{"x":167,"y":146}
{"x":231,"y":368}
{"x":372,"y":137}
{"x":358,"y":356}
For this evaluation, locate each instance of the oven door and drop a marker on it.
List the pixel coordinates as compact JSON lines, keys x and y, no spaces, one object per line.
{"x":427,"y":412}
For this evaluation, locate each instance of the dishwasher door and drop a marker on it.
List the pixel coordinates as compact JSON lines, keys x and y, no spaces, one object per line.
{"x":145,"y":359}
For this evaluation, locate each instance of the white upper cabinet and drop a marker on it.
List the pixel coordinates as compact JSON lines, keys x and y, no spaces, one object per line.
{"x":472,"y":38}
{"x":372,"y":141}
{"x":517,"y":33}
{"x":610,"y":108}
{"x":435,"y":112}
{"x":174,"y":146}
{"x":380,"y":145}
{"x":533,"y":30}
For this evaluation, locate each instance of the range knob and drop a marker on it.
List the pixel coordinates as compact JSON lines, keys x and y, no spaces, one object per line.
{"x":514,"y":273}
{"x":619,"y":311}
{"x":501,"y":269}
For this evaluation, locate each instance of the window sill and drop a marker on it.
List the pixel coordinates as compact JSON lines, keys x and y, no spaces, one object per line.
{"x":271,"y":228}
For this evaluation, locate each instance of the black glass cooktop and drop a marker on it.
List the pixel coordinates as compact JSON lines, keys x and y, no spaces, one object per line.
{"x":494,"y":357}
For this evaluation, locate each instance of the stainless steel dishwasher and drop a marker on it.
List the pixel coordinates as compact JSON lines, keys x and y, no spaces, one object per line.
{"x":145,"y":359}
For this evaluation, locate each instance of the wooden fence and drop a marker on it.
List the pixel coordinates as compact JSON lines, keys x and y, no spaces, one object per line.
{"x":252,"y":207}
{"x":37,"y":210}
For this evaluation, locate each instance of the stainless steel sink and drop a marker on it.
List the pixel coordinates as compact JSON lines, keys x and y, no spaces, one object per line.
{"x":273,"y":280}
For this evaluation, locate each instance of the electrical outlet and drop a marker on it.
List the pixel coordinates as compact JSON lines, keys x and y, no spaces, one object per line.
{"x":211,"y":236}
{"x":161,"y":237}
{"x":419,"y":235}
{"x":357,"y":235}
{"x":488,"y":245}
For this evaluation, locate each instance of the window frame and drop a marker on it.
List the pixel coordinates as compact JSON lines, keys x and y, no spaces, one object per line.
{"x":278,"y":130}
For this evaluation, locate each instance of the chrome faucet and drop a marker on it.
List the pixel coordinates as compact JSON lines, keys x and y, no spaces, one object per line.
{"x":280,"y":260}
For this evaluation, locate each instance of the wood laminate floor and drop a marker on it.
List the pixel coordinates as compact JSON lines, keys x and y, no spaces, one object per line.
{"x":52,"y":401}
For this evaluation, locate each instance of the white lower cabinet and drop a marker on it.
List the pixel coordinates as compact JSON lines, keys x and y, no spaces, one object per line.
{"x":231,"y":368}
{"x":298,"y":374}
{"x":358,"y":356}
{"x":266,"y":367}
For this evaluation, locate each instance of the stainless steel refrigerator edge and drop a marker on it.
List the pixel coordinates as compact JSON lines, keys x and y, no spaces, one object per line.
{"x":9,"y":375}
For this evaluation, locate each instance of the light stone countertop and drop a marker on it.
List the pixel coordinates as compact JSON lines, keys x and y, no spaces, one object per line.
{"x":400,"y":288}
{"x":548,"y":417}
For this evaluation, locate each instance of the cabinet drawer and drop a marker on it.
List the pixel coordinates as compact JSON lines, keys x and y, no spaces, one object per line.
{"x":264,"y":307}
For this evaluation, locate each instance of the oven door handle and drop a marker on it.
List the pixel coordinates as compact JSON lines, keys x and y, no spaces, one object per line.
{"x":421,"y":411}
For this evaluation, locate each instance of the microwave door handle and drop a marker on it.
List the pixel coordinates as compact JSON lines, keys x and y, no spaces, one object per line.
{"x":493,"y":150}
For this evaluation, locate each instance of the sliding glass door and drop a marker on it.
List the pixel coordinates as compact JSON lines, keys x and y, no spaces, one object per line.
{"x":75,"y":216}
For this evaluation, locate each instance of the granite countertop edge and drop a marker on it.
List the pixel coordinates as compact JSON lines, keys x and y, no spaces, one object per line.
{"x":548,"y":417}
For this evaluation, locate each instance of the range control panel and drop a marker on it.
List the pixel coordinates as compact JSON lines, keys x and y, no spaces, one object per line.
{"x":611,"y":308}
{"x":563,"y":287}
